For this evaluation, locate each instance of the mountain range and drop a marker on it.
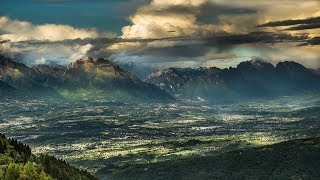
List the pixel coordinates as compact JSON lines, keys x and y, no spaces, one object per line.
{"x":250,"y":79}
{"x":100,"y":79}
{"x":85,"y":79}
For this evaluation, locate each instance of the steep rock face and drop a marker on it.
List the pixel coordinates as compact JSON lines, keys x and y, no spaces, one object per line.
{"x":95,"y":72}
{"x":98,"y":67}
{"x":249,"y":79}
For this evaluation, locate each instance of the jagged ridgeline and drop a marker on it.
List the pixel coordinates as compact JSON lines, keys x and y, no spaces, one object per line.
{"x":85,"y":79}
{"x":102,"y":80}
{"x":251,"y":79}
{"x":17,"y":162}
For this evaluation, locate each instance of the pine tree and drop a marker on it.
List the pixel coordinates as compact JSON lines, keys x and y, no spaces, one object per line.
{"x":29,"y":172}
{"x":12,"y":172}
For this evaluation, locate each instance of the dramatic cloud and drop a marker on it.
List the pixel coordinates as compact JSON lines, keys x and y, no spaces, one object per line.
{"x":166,"y":18}
{"x":314,"y":20}
{"x":15,"y":30}
{"x":202,"y":28}
{"x":40,"y":44}
{"x":314,"y":41}
{"x":150,"y":22}
{"x":299,"y":24}
{"x":162,"y":33}
{"x":42,"y":54}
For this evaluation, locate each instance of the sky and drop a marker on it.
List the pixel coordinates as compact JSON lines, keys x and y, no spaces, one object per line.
{"x":161,"y":33}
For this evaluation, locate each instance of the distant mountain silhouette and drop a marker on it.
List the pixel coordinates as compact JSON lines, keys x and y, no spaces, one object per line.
{"x":100,"y":79}
{"x":250,"y":79}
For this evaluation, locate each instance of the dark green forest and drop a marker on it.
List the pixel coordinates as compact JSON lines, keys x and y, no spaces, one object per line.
{"x":17,"y":162}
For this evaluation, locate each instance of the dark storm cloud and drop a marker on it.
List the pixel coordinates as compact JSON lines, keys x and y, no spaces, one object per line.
{"x":207,"y":13}
{"x":96,"y":41}
{"x":210,"y":12}
{"x":199,"y":47}
{"x":299,"y":24}
{"x":291,"y":22}
{"x":183,"y":46}
{"x":304,"y":27}
{"x":4,"y":41}
{"x":185,"y":50}
{"x":312,"y":41}
{"x":255,"y":37}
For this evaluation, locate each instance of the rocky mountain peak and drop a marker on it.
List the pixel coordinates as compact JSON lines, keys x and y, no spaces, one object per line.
{"x":255,"y":65}
{"x":98,"y":67}
{"x":85,"y":64}
{"x":290,"y":66}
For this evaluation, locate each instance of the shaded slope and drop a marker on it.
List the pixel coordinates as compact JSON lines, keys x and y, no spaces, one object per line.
{"x":296,"y":159}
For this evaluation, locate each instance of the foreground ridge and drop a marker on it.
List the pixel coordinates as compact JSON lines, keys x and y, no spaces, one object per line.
{"x":17,"y":162}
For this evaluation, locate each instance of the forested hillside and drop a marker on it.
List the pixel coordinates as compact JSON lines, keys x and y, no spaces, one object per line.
{"x":17,"y":162}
